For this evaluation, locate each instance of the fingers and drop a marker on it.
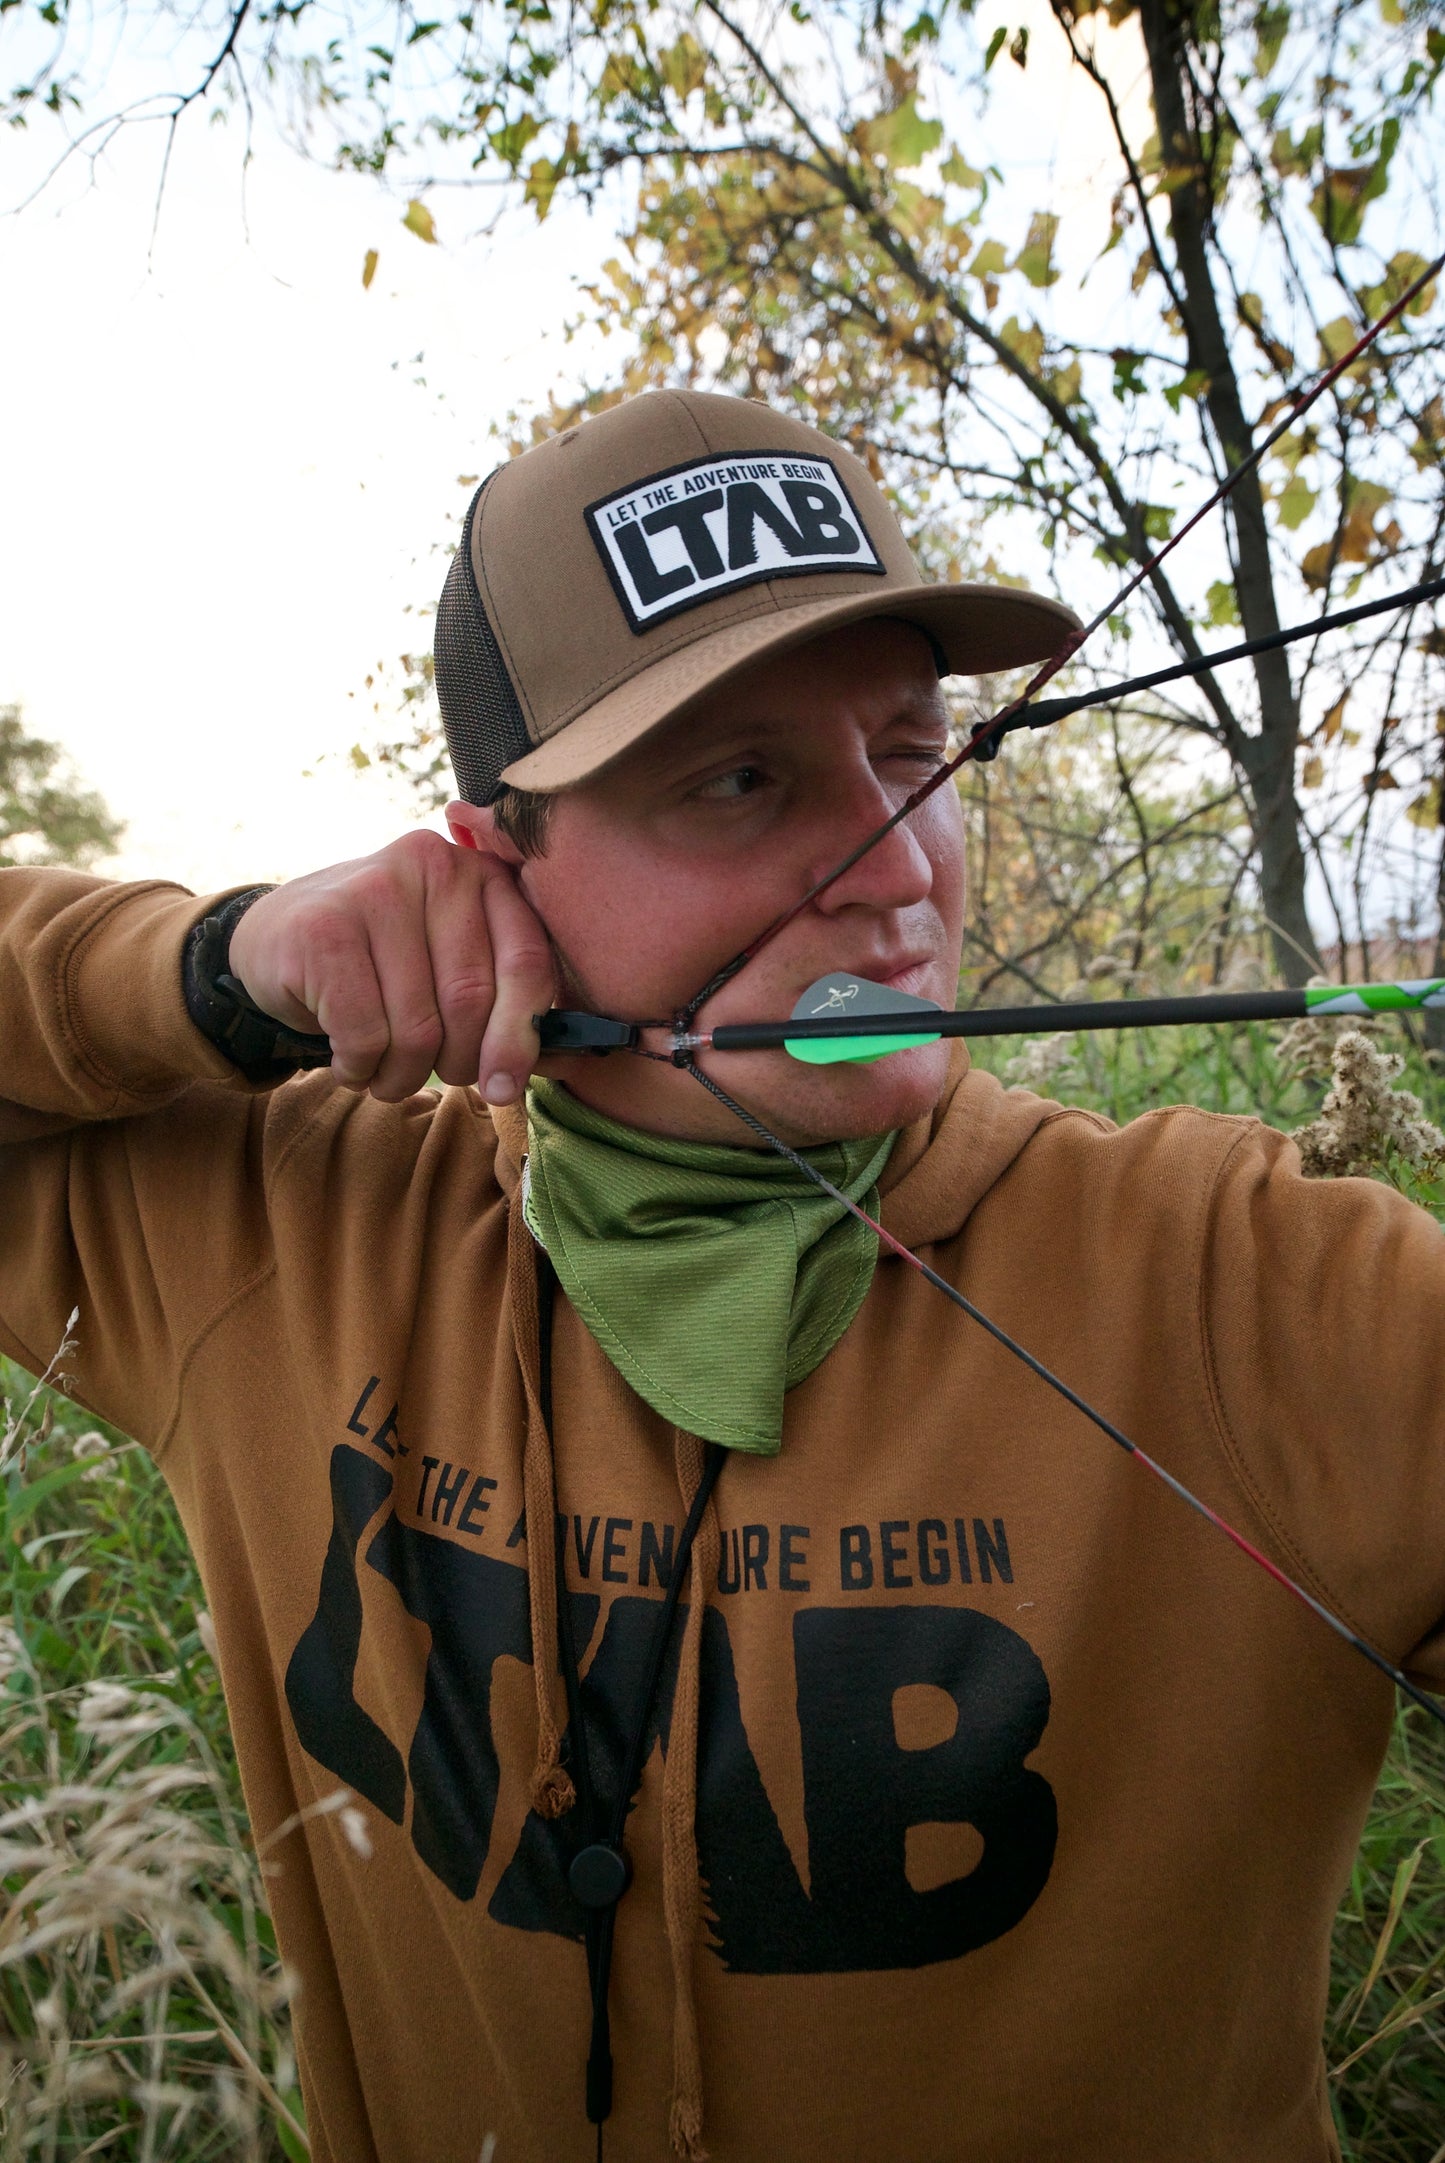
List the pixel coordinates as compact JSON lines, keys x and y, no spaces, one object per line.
{"x":525,"y":985}
{"x":423,"y":958}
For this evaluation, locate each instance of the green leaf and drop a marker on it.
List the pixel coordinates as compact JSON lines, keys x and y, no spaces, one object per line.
{"x":419,"y":220}
{"x":368,"y":269}
{"x":1223,"y":603}
{"x":57,"y":1594}
{"x":902,"y":138}
{"x":1294,"y":502}
{"x":1342,"y":197}
{"x":1271,"y":26}
{"x":25,"y":1499}
{"x":683,"y":66}
{"x":1403,"y":268}
{"x":1337,"y":336}
{"x":995,"y":45}
{"x":1036,"y":257}
{"x":959,"y":173}
{"x":510,"y":142}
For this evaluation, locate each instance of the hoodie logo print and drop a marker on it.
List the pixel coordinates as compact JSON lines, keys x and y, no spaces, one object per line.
{"x":864,"y":1794}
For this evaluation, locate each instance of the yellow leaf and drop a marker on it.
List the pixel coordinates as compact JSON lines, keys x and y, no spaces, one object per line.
{"x":368,"y":269}
{"x":1027,"y":343}
{"x":543,"y":175}
{"x":1425,"y":809}
{"x":1337,"y":336}
{"x":419,"y":220}
{"x":1334,"y":720}
{"x":1312,"y":773}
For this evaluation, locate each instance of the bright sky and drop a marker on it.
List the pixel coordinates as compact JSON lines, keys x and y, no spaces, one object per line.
{"x":224,"y":482}
{"x":225,"y":479}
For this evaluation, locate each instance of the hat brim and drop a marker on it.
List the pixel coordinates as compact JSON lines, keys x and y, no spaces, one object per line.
{"x":978,"y":628}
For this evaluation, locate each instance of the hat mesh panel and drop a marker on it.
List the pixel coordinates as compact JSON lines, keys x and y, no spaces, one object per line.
{"x":481,"y":714}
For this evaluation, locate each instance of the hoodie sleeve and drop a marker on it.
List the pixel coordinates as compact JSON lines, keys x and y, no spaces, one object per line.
{"x":1323,"y":1316}
{"x":130,"y":1147}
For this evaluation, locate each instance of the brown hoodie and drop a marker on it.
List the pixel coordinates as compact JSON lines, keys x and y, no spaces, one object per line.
{"x":1023,"y":1802}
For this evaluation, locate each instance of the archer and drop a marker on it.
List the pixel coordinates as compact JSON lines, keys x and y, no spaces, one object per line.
{"x":784,"y":1731}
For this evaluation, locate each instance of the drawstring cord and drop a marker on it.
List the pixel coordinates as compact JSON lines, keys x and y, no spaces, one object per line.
{"x":681,"y":1876}
{"x":600,"y":1872}
{"x":552,"y":1789}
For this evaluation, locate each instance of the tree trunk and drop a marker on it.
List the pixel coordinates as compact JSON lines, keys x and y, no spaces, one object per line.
{"x":1267,"y":758}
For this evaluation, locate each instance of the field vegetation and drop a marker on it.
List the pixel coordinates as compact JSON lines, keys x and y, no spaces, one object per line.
{"x":142,"y":2001}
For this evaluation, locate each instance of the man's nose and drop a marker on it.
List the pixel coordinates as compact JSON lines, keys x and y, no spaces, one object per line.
{"x":894,"y":874}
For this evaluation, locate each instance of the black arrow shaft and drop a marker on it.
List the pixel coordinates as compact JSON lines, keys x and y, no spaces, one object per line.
{"x":1276,"y":1005}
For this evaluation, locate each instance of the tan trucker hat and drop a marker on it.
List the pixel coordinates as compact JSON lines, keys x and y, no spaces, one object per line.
{"x":613,"y":574}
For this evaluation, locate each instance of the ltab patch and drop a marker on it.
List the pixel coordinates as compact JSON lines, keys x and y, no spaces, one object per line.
{"x":680,"y":538}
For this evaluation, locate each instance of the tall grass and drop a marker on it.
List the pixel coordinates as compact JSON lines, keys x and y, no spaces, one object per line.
{"x":143,"y":2005}
{"x":142,"y":2002}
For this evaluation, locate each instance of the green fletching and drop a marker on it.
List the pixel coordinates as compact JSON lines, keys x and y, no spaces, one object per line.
{"x":1375,"y":998}
{"x":840,"y":994}
{"x":832,"y":1051}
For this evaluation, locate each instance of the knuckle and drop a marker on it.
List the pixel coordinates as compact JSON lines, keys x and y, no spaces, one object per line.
{"x":360,"y":1043}
{"x":420,"y":849}
{"x":419,"y":1040}
{"x":375,"y":887}
{"x":330,"y":931}
{"x":467,"y":992}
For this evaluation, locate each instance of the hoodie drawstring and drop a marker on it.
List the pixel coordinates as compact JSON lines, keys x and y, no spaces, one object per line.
{"x":681,"y":1876}
{"x":600,"y":1872}
{"x":552,"y":1789}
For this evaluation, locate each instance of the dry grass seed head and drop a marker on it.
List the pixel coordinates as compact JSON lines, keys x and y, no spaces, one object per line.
{"x":1366,"y":1123}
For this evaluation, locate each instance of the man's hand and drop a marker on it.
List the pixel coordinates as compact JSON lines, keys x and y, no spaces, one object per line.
{"x":421,"y":958}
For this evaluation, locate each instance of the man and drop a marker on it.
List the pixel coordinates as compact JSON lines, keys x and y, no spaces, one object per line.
{"x":871,"y":1766}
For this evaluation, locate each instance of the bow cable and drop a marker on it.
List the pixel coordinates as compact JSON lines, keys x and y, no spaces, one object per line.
{"x":989,"y":733}
{"x":991,"y":729}
{"x":1046,"y":710}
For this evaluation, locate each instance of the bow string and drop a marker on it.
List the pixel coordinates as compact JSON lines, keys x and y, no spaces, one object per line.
{"x":1015,"y":713}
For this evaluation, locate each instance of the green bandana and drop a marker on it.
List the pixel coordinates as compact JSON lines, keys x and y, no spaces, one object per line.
{"x":714,"y":1279}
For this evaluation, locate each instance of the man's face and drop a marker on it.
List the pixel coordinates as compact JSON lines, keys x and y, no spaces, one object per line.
{"x":661,"y":867}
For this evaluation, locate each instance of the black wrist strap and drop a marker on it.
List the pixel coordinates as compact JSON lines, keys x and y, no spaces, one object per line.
{"x":263,"y":1048}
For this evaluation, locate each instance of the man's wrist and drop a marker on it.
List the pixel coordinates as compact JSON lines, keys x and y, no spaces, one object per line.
{"x":263,"y":1048}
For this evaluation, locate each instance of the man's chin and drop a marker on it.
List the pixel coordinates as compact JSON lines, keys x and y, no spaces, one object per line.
{"x":808,"y":1105}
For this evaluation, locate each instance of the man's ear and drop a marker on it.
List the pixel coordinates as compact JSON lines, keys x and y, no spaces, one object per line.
{"x":474,"y":826}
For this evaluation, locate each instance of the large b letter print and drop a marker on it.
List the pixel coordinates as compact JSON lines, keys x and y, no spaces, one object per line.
{"x":863,"y":1792}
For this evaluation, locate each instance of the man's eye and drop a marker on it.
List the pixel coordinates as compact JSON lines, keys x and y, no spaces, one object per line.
{"x":924,"y":756}
{"x":726,"y":788}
